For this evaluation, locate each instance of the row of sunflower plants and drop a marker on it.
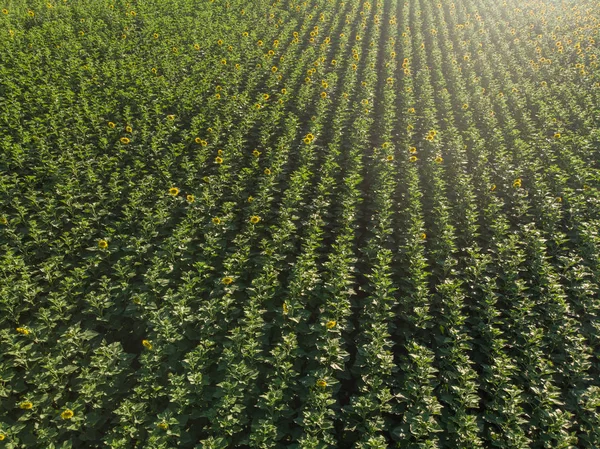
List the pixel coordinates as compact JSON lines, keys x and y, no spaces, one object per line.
{"x":457,"y":391}
{"x":332,"y":342}
{"x":322,"y":347}
{"x":278,"y":423}
{"x":413,"y":387}
{"x":487,"y":339}
{"x":373,"y":365}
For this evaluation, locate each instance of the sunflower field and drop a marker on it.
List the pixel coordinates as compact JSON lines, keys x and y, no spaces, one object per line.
{"x":302,"y":224}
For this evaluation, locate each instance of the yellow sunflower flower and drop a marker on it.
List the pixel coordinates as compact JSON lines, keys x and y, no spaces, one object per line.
{"x":67,"y":414}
